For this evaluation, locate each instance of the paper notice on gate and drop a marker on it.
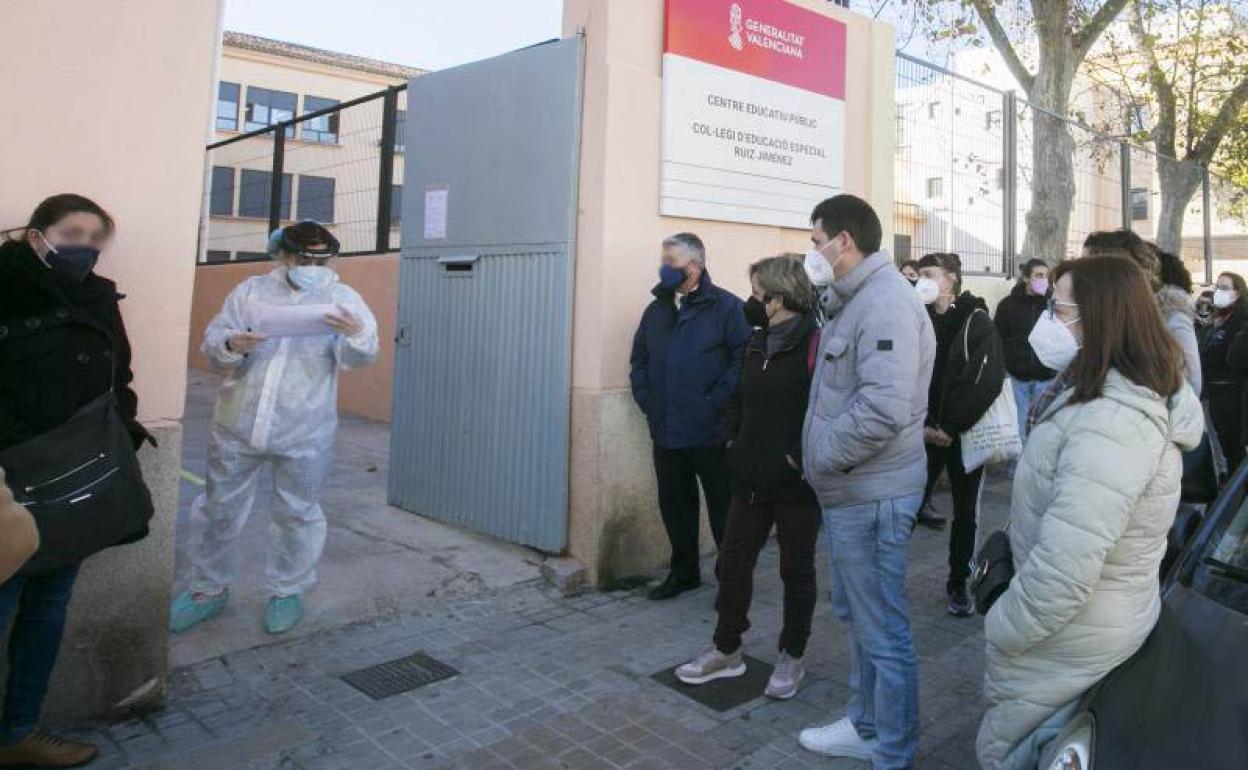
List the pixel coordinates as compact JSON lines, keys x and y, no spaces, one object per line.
{"x":293,"y":320}
{"x":435,"y":212}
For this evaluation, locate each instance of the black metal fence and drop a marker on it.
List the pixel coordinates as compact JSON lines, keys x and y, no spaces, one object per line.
{"x":341,"y":165}
{"x":963,"y":178}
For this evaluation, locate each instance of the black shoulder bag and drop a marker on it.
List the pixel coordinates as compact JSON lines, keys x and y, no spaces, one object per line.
{"x":81,"y":482}
{"x":994,"y":569}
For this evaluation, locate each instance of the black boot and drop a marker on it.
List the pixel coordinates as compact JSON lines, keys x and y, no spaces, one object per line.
{"x":673,"y":587}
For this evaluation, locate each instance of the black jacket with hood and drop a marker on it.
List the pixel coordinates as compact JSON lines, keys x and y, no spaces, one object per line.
{"x":1017,"y":315}
{"x":964,"y":384}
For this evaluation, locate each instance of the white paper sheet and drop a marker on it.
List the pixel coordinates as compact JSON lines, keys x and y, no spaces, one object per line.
{"x":293,"y":320}
{"x":435,"y":212}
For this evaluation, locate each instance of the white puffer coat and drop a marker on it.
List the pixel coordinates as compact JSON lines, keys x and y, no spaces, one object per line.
{"x":1094,"y":496}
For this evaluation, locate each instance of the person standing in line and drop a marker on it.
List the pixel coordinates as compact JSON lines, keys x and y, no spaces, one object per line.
{"x":910,"y":269}
{"x":1224,"y":355}
{"x":967,"y":377}
{"x":1094,"y":499}
{"x":278,"y":407}
{"x":686,"y":363}
{"x":1017,"y":315}
{"x":62,"y":345}
{"x":1174,"y":299}
{"x":862,"y":450}
{"x":765,"y":457}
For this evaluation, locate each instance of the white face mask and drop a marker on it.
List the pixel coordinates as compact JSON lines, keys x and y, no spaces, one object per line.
{"x":928,"y":290}
{"x":1224,"y":298}
{"x":1054,"y":343}
{"x":817,"y":268}
{"x":308,"y":277}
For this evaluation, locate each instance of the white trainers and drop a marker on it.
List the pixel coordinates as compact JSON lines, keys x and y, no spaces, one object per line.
{"x":711,"y":664}
{"x":838,"y":739}
{"x":788,"y":674}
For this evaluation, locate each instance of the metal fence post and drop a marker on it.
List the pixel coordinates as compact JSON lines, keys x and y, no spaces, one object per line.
{"x":275,"y":179}
{"x":1124,"y":157}
{"x":1009,"y":184}
{"x":385,"y":171}
{"x":1206,"y":194}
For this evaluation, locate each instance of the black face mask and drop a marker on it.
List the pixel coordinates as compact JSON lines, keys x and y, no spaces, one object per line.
{"x":756,"y":313}
{"x":77,"y":262}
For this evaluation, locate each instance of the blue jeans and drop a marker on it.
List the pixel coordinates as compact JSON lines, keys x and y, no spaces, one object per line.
{"x":867,"y":547}
{"x":41,"y":604}
{"x":1024,"y":393}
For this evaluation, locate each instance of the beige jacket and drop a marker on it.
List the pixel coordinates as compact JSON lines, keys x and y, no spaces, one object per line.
{"x":1094,"y":497}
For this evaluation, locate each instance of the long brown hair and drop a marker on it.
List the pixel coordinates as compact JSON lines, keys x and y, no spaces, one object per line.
{"x":1122,"y":329}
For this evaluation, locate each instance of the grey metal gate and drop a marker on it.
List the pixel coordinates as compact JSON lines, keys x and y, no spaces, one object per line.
{"x":482,"y":394}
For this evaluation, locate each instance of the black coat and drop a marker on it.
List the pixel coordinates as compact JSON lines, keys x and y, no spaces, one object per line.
{"x":686,"y":364}
{"x":765,"y":418}
{"x":1017,"y":315}
{"x":55,"y":356}
{"x":964,"y":387}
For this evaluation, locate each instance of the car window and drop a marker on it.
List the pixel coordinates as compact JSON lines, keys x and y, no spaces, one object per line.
{"x":1222,"y":574}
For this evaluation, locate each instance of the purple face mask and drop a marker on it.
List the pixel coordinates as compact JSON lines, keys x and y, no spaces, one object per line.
{"x":1039,"y":286}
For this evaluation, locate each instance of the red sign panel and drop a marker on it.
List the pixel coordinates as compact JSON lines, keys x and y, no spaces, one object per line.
{"x":770,"y":39}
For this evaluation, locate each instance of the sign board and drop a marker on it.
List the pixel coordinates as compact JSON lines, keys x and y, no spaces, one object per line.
{"x":753,"y":111}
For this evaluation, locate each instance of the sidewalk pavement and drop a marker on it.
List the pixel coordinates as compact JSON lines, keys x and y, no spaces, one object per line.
{"x":549,"y":682}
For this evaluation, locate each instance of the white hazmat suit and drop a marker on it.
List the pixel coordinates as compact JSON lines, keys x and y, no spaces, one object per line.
{"x":278,"y":406}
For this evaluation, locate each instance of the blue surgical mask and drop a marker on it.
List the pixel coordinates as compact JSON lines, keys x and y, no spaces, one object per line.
{"x":77,"y":262}
{"x":308,"y":277}
{"x":670,"y":278}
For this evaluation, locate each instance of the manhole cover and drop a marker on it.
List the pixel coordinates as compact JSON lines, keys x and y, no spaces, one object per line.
{"x":398,"y":676}
{"x":722,"y":694}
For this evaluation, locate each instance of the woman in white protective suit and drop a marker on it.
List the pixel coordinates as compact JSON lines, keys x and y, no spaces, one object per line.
{"x":277,"y":407}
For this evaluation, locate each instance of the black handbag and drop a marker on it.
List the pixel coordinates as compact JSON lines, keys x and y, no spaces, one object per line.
{"x":994,"y":569}
{"x":82,"y":483}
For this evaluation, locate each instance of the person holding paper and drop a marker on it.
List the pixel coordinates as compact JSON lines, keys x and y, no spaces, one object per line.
{"x":277,"y":407}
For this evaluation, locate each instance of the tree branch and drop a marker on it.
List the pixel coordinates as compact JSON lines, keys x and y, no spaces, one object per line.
{"x":1100,"y":21}
{"x":988,"y":15}
{"x":1227,"y":117}
{"x":1163,"y":90}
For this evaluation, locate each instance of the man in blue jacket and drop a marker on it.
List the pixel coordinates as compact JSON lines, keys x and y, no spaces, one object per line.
{"x":686,"y":362}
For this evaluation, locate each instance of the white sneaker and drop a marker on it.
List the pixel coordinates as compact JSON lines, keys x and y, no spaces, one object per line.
{"x":788,"y":674}
{"x":711,"y":664}
{"x":838,"y":739}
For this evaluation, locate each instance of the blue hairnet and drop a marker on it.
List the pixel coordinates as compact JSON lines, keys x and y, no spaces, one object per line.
{"x":275,"y":243}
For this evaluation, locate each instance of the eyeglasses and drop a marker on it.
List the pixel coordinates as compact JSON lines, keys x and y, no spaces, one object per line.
{"x":1052,"y":306}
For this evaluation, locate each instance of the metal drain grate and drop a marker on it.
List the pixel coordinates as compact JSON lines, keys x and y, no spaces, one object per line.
{"x":398,"y":676}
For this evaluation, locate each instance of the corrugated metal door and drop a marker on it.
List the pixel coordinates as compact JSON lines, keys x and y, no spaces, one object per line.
{"x":483,"y":368}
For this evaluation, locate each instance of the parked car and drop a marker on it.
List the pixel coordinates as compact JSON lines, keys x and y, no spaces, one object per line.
{"x":1182,"y":700}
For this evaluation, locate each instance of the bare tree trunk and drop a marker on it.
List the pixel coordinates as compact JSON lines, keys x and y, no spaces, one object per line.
{"x":1052,"y":155}
{"x":1179,"y":182}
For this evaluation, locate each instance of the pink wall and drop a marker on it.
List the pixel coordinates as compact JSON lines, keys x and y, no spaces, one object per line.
{"x":367,"y":392}
{"x":97,"y":101}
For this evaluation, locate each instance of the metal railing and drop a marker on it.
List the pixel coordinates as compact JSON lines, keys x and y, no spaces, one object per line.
{"x":341,"y":165}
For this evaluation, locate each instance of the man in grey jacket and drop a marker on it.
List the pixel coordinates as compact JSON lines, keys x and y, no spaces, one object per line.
{"x":863,"y":455}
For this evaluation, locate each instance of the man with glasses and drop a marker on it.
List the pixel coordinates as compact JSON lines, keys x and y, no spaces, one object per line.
{"x":277,"y":407}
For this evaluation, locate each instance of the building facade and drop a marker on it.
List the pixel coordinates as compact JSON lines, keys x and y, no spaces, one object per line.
{"x":330,"y":170}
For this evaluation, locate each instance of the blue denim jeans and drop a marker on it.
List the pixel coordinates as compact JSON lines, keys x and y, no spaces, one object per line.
{"x":41,"y":604}
{"x":1024,"y":392}
{"x":867,"y":547}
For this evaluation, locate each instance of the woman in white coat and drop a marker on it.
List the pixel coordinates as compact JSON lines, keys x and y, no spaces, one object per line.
{"x":1094,"y":497}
